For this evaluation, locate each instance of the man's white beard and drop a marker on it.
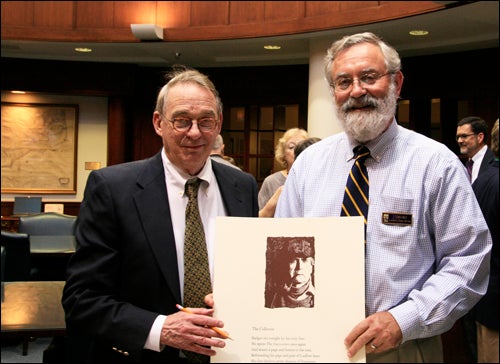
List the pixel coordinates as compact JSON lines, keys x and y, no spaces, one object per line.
{"x":366,"y":125}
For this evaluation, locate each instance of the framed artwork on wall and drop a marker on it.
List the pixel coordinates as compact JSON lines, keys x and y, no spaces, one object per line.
{"x":39,"y":148}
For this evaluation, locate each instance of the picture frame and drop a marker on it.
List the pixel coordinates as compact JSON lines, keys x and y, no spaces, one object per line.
{"x":39,"y":148}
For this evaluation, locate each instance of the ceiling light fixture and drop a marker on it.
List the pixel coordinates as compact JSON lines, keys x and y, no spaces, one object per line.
{"x":271,"y":47}
{"x":418,"y":32}
{"x":147,"y":31}
{"x":83,"y":49}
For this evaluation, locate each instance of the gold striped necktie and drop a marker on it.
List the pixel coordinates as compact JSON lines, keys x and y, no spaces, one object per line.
{"x":356,"y":190}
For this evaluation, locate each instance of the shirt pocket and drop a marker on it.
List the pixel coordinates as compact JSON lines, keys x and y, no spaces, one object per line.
{"x":397,"y":220}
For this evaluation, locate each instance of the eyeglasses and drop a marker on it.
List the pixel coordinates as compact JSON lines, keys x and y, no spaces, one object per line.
{"x":464,"y":136}
{"x":205,"y":124}
{"x":367,"y":79}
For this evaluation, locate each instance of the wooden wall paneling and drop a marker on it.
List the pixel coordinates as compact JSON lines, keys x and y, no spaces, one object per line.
{"x":191,"y":20}
{"x":174,"y":14}
{"x":207,"y":13}
{"x":118,"y":126}
{"x":482,"y":107}
{"x":17,"y":13}
{"x":283,"y":10}
{"x":94,"y":14}
{"x":321,"y":8}
{"x":449,"y":119}
{"x":71,"y":208}
{"x":366,"y":12}
{"x":134,"y":12}
{"x":357,"y":5}
{"x":7,"y":208}
{"x":420,"y":115}
{"x":246,"y":12}
{"x":54,"y":14}
{"x":146,"y":142}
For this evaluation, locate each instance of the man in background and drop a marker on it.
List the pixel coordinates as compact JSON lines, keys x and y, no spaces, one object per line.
{"x":217,"y":154}
{"x":472,"y":135}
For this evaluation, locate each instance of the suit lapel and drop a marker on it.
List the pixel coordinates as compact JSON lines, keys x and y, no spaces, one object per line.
{"x":154,"y":212}
{"x":230,"y":191}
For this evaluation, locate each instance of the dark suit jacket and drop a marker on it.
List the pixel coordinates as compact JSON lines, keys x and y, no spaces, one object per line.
{"x":488,"y":160}
{"x":486,"y":188}
{"x":124,"y":271}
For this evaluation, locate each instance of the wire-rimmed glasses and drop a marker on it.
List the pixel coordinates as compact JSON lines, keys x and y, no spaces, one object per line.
{"x":205,"y":124}
{"x":343,"y":83}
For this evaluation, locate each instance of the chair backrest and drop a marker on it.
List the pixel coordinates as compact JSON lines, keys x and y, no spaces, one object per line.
{"x":17,"y":265}
{"x":47,"y":223}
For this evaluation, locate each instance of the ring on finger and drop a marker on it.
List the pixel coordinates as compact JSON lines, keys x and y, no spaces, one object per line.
{"x":373,"y":347}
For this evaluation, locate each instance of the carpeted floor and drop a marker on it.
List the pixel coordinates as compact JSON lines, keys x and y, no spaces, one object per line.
{"x":12,"y":350}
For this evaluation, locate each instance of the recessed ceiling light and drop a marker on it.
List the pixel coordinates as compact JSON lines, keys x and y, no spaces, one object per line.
{"x":272,"y":47}
{"x":17,"y":92}
{"x":418,"y":32}
{"x":83,"y":50}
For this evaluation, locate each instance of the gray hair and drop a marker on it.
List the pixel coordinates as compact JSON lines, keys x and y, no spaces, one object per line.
{"x":218,"y":142}
{"x":182,"y":74}
{"x":391,"y":56}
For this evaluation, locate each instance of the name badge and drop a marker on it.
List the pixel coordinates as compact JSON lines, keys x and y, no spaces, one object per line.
{"x":392,"y":218}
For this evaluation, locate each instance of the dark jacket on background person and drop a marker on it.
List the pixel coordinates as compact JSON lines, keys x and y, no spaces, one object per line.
{"x":486,"y":188}
{"x":488,"y":160}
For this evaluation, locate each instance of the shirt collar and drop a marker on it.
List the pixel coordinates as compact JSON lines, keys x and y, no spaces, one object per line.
{"x":480,"y":153}
{"x":178,"y":178}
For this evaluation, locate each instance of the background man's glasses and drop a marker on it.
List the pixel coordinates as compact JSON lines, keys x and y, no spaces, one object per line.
{"x":184,"y":124}
{"x":464,"y":136}
{"x":367,"y":79}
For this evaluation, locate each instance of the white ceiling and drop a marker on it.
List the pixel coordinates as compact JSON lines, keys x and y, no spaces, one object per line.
{"x":459,"y":28}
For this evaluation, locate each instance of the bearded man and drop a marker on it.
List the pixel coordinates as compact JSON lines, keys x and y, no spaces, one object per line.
{"x":426,"y":260}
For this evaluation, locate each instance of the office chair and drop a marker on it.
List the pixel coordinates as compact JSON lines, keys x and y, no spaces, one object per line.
{"x":47,"y":223}
{"x":17,"y":265}
{"x":45,"y":229}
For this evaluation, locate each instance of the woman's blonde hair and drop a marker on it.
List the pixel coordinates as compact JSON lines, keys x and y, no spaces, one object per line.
{"x":494,"y":138}
{"x":279,"y":150}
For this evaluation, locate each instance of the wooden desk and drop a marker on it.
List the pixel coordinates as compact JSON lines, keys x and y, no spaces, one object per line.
{"x":32,"y":309}
{"x":10,"y":223}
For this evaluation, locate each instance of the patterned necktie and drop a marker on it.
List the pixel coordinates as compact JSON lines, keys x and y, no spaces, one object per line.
{"x":469,"y":164}
{"x":356,"y":190}
{"x":197,"y":282}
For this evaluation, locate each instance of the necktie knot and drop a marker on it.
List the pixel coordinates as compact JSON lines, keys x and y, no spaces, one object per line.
{"x":191,"y":187}
{"x":361,"y":153}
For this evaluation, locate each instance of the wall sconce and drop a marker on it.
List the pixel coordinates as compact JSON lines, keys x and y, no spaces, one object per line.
{"x":147,"y":31}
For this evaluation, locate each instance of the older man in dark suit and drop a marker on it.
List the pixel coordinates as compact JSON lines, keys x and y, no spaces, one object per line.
{"x":127,"y":274}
